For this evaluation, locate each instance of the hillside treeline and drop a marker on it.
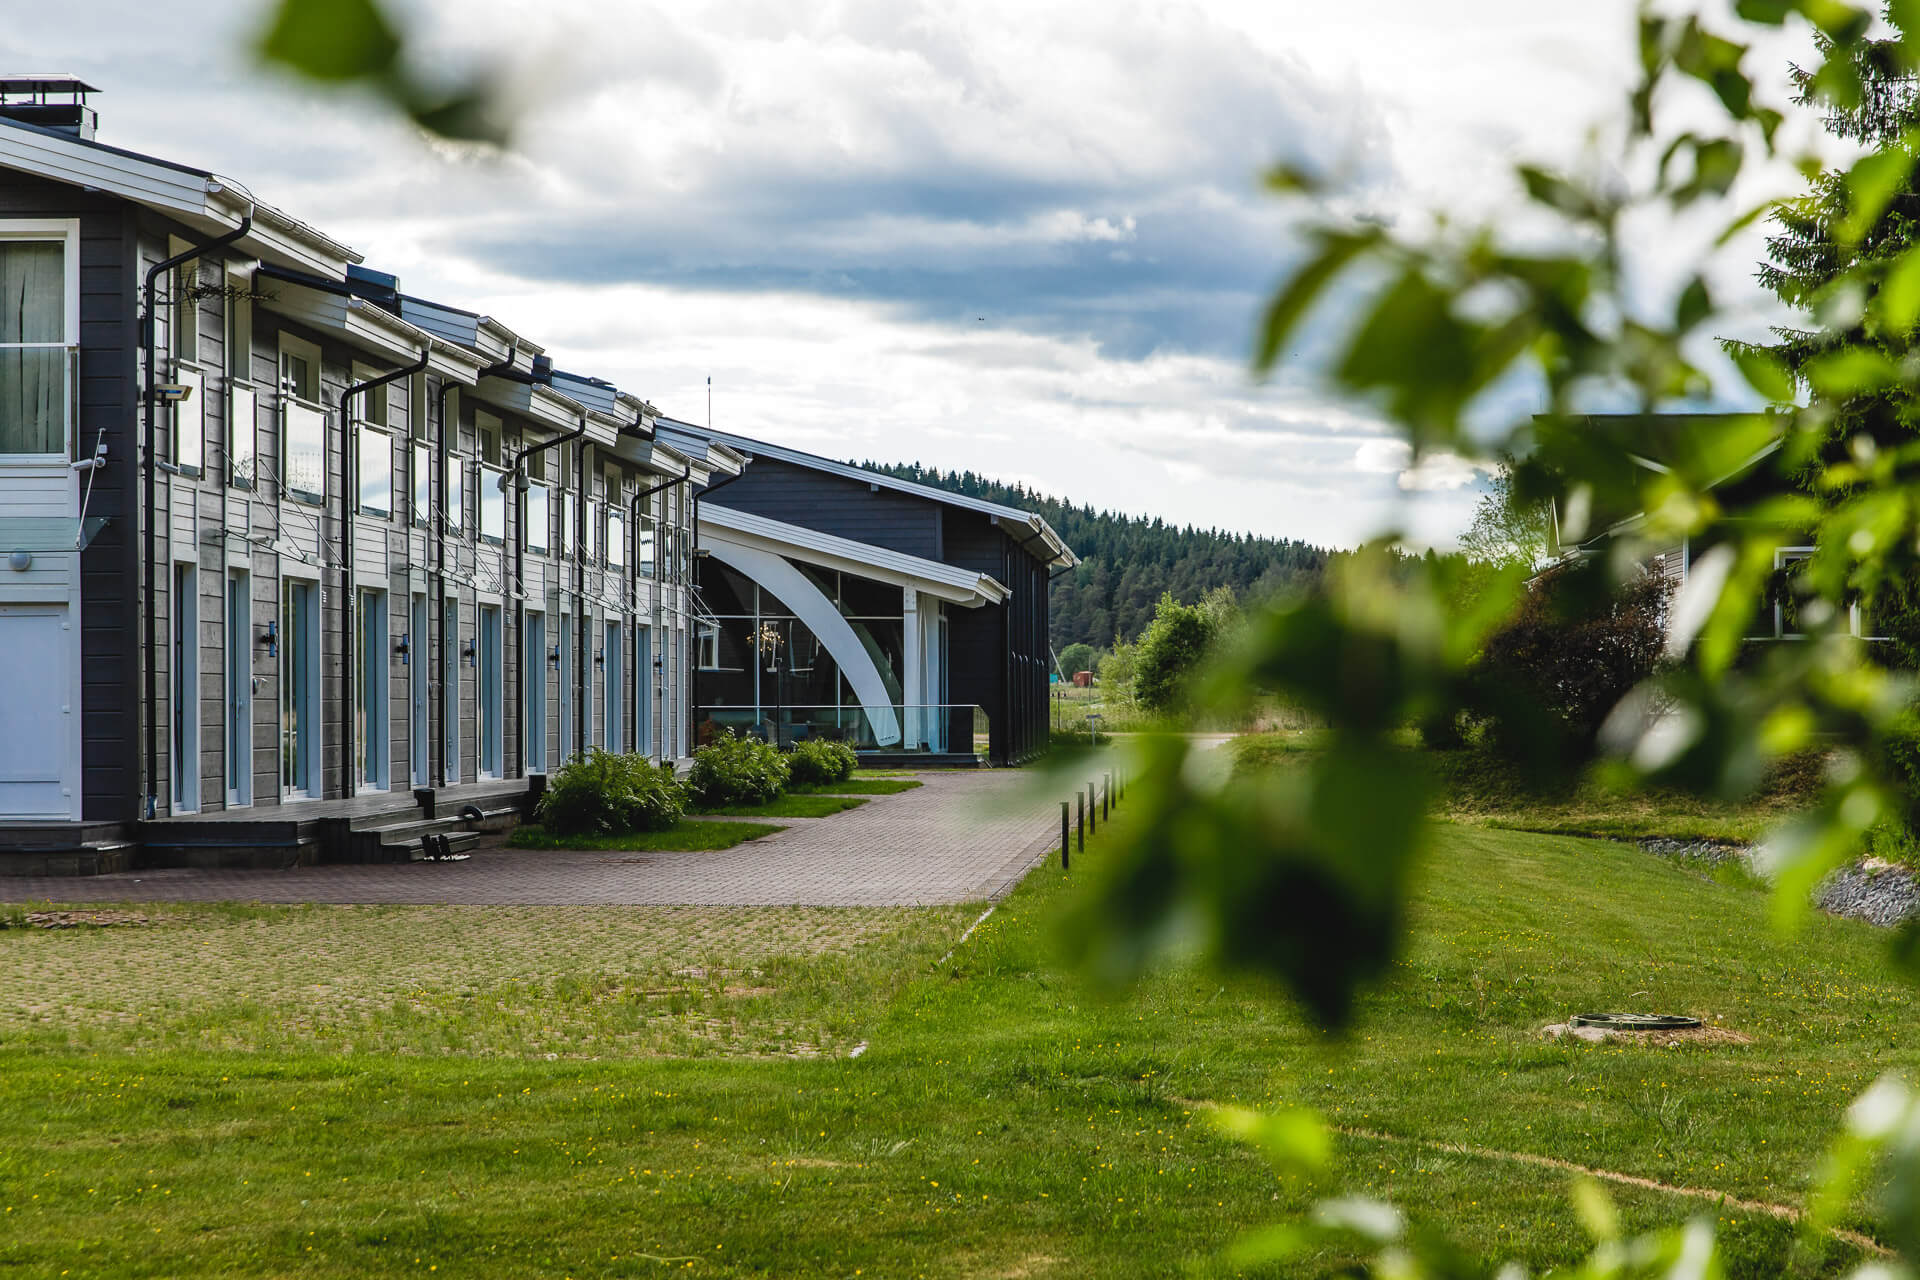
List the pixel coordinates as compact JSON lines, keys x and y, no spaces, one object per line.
{"x":1128,"y":562}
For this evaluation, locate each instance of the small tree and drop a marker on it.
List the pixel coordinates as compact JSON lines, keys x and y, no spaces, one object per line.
{"x":1171,"y":650}
{"x":1117,"y":671}
{"x":1077,"y":657}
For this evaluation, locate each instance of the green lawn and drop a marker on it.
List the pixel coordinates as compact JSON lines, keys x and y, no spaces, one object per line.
{"x":683,"y":836}
{"x":1479,"y":788}
{"x":582,"y":1092}
{"x":790,"y":805}
{"x":857,"y":786}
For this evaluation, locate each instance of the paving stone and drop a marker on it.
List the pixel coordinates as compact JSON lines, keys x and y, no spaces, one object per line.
{"x":964,"y":836}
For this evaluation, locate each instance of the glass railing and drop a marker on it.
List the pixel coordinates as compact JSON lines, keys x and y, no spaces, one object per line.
{"x":914,"y":727}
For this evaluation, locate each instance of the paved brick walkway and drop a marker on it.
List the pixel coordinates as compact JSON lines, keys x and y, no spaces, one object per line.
{"x":962,"y":837}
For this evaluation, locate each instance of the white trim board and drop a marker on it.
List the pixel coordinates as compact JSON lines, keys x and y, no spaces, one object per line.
{"x":724,"y":526}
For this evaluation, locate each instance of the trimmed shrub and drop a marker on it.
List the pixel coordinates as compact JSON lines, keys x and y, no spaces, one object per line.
{"x":817,"y":762}
{"x":608,"y":794}
{"x":736,"y":771}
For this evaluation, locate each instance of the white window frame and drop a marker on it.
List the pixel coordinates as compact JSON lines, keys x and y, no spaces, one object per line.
{"x":616,"y":539}
{"x":539,"y":524}
{"x":1782,"y":557}
{"x":420,"y":481}
{"x":493,"y":502}
{"x":190,"y":420}
{"x":290,"y":399}
{"x":243,"y":423}
{"x":367,"y":434}
{"x":456,"y":494}
{"x":67,"y":232}
{"x":569,"y":521}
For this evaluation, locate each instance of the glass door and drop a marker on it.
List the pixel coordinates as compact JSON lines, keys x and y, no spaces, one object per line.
{"x":371,"y":730}
{"x":239,"y":691}
{"x":491,"y":692}
{"x":615,"y":686}
{"x":419,"y":662}
{"x":299,"y":695}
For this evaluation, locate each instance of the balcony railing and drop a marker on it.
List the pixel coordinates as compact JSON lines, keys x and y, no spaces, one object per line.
{"x":914,"y":727}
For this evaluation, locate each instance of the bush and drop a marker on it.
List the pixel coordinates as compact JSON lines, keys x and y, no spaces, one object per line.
{"x":736,"y":771}
{"x":1568,"y":654}
{"x":608,"y":794}
{"x":817,"y":762}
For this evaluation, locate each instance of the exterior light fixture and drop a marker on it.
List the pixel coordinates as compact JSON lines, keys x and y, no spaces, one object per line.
{"x":270,"y":639}
{"x":468,"y":652}
{"x":553,"y":657}
{"x":404,"y":648}
{"x":599,"y":657}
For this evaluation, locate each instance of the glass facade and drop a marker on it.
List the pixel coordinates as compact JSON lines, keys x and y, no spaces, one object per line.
{"x":763,"y":671}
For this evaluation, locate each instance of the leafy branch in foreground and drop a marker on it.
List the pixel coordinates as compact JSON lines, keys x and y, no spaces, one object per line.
{"x":1303,"y":873}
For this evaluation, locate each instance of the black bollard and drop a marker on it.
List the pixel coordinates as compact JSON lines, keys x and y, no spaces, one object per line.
{"x":1093,"y":805}
{"x":1063,"y":835}
{"x":1080,"y":819}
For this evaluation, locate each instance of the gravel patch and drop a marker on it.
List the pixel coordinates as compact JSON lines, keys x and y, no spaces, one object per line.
{"x":1871,"y":890}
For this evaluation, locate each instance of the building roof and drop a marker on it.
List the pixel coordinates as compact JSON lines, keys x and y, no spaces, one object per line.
{"x":938,"y":579}
{"x":1021,"y":525}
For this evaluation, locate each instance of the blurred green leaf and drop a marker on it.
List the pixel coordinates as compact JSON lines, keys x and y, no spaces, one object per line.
{"x":333,"y":40}
{"x":1335,"y":252}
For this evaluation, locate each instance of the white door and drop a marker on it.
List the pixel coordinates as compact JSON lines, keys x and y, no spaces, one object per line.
{"x":37,"y":713}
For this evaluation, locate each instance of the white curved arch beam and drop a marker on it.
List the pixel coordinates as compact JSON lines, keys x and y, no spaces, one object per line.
{"x":798,"y":593}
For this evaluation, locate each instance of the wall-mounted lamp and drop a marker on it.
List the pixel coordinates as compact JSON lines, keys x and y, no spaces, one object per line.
{"x":599,"y":657}
{"x":468,"y":652}
{"x":270,"y":639}
{"x":404,"y":648}
{"x":553,"y":657}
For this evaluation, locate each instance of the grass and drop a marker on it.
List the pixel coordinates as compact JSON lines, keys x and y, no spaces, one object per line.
{"x":856,"y":787}
{"x":683,"y":836}
{"x":790,"y":805}
{"x":1481,"y":789}
{"x":512,"y":1092}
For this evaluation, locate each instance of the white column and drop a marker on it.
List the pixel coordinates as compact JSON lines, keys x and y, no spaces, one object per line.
{"x":911,"y":646}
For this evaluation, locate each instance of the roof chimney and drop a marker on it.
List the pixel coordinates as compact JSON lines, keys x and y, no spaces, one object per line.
{"x":57,"y":102}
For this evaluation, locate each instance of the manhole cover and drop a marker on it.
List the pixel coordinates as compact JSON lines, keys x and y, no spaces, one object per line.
{"x":1634,"y":1021}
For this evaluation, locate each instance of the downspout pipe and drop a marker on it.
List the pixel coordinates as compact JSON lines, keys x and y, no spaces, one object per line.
{"x":437,"y":608}
{"x":583,"y":672}
{"x":149,"y":403}
{"x":643,"y":680}
{"x":349,"y":502}
{"x":518,"y":480}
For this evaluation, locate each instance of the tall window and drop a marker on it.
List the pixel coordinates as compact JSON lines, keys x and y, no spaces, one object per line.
{"x":242,"y":434}
{"x":422,"y":482}
{"x":569,"y":522}
{"x":646,"y":546}
{"x":190,"y":421}
{"x":374,"y":455}
{"x":539,"y":533}
{"x":616,"y":539}
{"x":304,"y":430}
{"x":493,"y":505}
{"x":36,"y":327}
{"x":456,"y":512}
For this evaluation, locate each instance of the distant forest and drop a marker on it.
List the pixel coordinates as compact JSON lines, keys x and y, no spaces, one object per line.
{"x":1127,"y":561}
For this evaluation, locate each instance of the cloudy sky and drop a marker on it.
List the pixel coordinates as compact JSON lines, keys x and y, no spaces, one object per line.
{"x":1021,"y":238}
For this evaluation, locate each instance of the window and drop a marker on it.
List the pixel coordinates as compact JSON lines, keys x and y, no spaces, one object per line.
{"x":239,"y":328}
{"x":370,"y":405}
{"x":539,"y":532}
{"x":38,"y":323}
{"x":299,"y":369}
{"x":242,"y":434}
{"x":569,"y":522}
{"x":488,"y":428}
{"x":422,"y":483}
{"x":456,"y":512}
{"x":186,"y":307}
{"x":303,"y":467}
{"x":1788,"y":564}
{"x":493,"y":505}
{"x":537,"y":466}
{"x":594,"y":547}
{"x":374,"y":453}
{"x":707,"y":642}
{"x":646,"y":546}
{"x":417,"y":406}
{"x":190,"y":422}
{"x":616,"y":539}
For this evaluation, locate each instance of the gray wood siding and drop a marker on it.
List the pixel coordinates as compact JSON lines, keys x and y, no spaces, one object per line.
{"x":836,"y":505}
